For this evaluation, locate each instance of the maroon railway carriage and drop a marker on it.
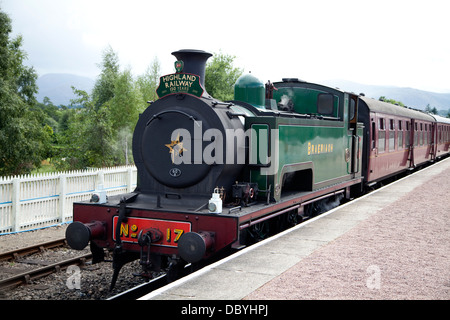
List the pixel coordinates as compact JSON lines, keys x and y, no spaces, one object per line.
{"x":396,"y":139}
{"x":441,"y":136}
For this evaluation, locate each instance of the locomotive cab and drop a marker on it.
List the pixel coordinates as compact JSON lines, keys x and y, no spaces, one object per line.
{"x":314,"y":139}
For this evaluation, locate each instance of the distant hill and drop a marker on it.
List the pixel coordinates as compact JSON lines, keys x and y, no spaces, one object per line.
{"x":410,"y":97}
{"x":58,"y":87}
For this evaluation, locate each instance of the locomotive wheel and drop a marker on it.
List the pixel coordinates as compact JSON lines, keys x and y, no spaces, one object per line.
{"x":176,"y":270}
{"x":288,"y":220}
{"x":258,"y":232}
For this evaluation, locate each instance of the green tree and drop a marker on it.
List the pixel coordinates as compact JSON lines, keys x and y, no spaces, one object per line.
{"x":220,"y":76}
{"x":126,"y":103}
{"x":148,"y":82}
{"x":125,"y":107}
{"x":50,"y":112}
{"x":99,"y":133}
{"x":24,"y":140}
{"x":104,"y":86}
{"x":384,"y":99}
{"x":429,"y":109}
{"x":88,"y":139}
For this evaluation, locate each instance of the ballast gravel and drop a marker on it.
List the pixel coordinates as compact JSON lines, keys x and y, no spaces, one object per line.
{"x":90,"y":282}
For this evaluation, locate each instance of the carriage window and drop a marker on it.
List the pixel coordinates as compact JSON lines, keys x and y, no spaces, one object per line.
{"x":421,"y":134}
{"x":407,"y":135}
{"x":373,"y":135}
{"x":429,"y":134}
{"x":391,"y":135}
{"x":381,"y":141}
{"x":416,"y":135}
{"x":381,"y":136}
{"x":400,"y":134}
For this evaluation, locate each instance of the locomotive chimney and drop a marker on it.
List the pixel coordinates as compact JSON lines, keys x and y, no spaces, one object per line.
{"x":194,"y":62}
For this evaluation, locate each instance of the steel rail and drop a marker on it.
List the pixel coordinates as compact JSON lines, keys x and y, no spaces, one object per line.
{"x":14,"y":254}
{"x":142,"y":289}
{"x":28,"y":276}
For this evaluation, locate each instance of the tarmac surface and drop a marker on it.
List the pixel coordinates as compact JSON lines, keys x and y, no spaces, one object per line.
{"x":393,"y":243}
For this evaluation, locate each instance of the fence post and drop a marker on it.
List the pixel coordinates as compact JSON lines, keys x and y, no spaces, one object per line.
{"x":129,"y":179}
{"x":15,"y":205}
{"x":62,"y":197}
{"x":100,"y":179}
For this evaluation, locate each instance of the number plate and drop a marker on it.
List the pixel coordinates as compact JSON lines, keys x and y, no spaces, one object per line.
{"x":171,"y":230}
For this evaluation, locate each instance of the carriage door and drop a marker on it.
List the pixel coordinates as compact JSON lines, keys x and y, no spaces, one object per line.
{"x":413,"y":139}
{"x":373,"y":147}
{"x":354,"y":136}
{"x":433,"y":147}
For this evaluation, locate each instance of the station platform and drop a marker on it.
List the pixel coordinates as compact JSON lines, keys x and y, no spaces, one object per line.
{"x":393,"y":243}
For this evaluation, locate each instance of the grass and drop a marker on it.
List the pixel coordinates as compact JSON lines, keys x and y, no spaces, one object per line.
{"x":46,"y":167}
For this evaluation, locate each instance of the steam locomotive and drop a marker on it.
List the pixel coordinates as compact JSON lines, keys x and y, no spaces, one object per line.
{"x":215,"y":175}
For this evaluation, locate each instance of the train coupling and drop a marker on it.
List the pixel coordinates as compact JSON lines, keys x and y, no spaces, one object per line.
{"x":145,"y":239}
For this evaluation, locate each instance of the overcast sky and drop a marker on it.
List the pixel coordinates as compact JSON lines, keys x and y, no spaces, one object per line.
{"x":380,"y":42}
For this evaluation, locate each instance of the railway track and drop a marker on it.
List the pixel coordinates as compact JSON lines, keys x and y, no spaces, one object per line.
{"x":141,"y":290}
{"x":28,"y":270}
{"x":43,"y":268}
{"x":15,"y":254}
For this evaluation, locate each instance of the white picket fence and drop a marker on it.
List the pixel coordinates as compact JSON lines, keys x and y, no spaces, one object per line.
{"x":36,"y":201}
